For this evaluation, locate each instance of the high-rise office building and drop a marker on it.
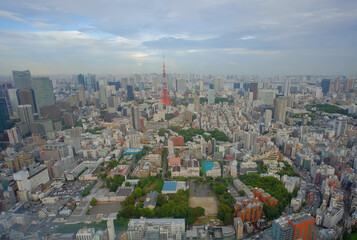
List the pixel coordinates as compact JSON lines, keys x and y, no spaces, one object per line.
{"x":350,"y":85}
{"x":201,"y":85}
{"x":211,"y":96}
{"x":103,"y":92}
{"x":26,"y":114}
{"x":22,"y":79}
{"x":267,"y":96}
{"x":91,"y":82}
{"x":325,"y":85}
{"x":13,"y":135}
{"x":280,"y":109}
{"x":81,"y":94}
{"x":27,"y":96}
{"x":218,"y":84}
{"x":116,"y":84}
{"x":180,"y":85}
{"x":4,"y":115}
{"x":254,"y":90}
{"x":14,"y":102}
{"x":155,"y":84}
{"x":80,"y":80}
{"x":287,"y":88}
{"x":340,"y":126}
{"x":267,"y":117}
{"x":130,"y":92}
{"x":246,"y":86}
{"x":42,"y":87}
{"x":135,"y":117}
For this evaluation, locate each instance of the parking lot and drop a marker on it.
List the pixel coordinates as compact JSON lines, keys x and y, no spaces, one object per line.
{"x":200,"y":190}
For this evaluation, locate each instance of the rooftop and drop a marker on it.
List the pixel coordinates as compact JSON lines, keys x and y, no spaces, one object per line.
{"x":170,"y":186}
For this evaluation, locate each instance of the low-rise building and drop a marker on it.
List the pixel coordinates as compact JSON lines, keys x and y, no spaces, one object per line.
{"x":150,"y":200}
{"x":215,"y":171}
{"x":332,"y":217}
{"x":173,"y":186}
{"x":158,"y":228}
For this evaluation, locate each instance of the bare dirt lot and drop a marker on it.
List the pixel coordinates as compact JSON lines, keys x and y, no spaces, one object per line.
{"x":208,"y":203}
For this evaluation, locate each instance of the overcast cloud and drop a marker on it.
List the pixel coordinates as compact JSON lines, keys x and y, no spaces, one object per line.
{"x":238,"y":36}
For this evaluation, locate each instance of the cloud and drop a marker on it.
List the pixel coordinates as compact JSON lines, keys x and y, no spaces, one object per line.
{"x":43,"y":25}
{"x":247,"y":37}
{"x":11,"y":16}
{"x":217,"y":33}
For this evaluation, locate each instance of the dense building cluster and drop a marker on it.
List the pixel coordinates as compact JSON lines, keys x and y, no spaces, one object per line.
{"x":232,"y":157}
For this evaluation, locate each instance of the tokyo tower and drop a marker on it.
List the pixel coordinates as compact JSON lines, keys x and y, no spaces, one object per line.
{"x":165,"y":96}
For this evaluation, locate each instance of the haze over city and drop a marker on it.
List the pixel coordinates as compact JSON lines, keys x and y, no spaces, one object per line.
{"x":235,"y":37}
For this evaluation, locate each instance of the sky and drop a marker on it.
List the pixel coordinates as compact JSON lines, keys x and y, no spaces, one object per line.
{"x":266,"y":37}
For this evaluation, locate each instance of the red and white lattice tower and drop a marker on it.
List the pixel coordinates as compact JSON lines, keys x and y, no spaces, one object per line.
{"x":165,"y":96}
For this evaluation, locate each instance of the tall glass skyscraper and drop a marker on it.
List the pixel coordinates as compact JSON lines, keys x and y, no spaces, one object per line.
{"x":43,"y":89}
{"x":22,"y":79}
{"x":4,"y":115}
{"x":130,"y":92}
{"x":325,"y":85}
{"x":27,"y":96}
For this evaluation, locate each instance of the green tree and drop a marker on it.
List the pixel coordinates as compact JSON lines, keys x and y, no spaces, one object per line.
{"x":241,"y":192}
{"x":93,"y":202}
{"x":271,"y":212}
{"x":85,"y":192}
{"x":161,"y":199}
{"x":225,"y":213}
{"x":127,"y":184}
{"x":220,"y":189}
{"x":138,"y":192}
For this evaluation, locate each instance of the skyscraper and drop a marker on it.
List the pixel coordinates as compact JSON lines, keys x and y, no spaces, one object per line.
{"x":341,"y":126}
{"x":325,"y":85}
{"x":130,"y":92}
{"x":14,"y":102}
{"x":267,"y":117}
{"x":91,"y":82}
{"x":254,"y":90}
{"x":81,"y":94}
{"x":43,"y":90}
{"x":103,"y":92}
{"x":180,"y":85}
{"x":211,"y":96}
{"x":267,"y":96}
{"x":287,"y":88}
{"x":116,"y":84}
{"x":80,"y":80}
{"x":27,"y":96}
{"x":22,"y":79}
{"x":13,"y":135}
{"x":280,"y":109}
{"x":201,"y":85}
{"x":4,"y":115}
{"x":26,"y":114}
{"x":154,"y":84}
{"x":135,"y":118}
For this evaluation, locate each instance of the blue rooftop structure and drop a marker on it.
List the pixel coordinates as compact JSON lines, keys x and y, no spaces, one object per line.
{"x":169,"y":187}
{"x":207,"y":166}
{"x":132,"y":151}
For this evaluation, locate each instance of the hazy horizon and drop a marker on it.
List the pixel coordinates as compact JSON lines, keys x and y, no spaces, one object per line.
{"x":309,"y":37}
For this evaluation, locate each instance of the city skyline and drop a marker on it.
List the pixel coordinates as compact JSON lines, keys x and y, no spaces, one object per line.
{"x":234,"y":37}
